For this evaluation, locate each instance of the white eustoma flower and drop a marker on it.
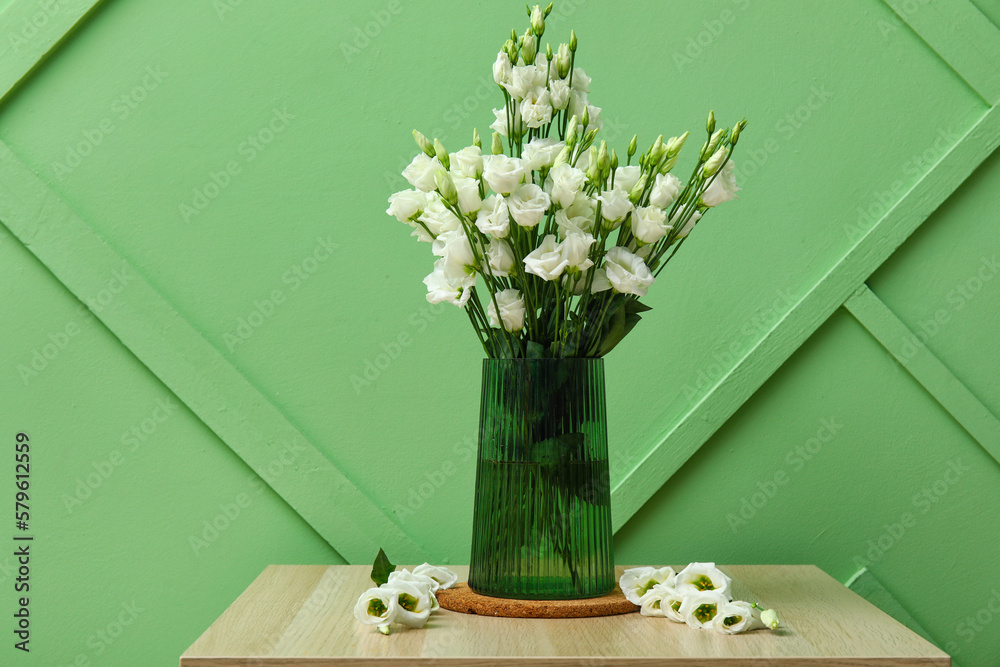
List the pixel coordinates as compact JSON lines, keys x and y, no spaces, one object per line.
{"x":535,"y":108}
{"x":665,"y":189}
{"x":649,"y":224}
{"x":420,"y":172}
{"x":493,"y":218}
{"x":442,"y":575}
{"x":559,"y":91}
{"x":426,"y":585}
{"x":524,"y":79}
{"x":769,"y":618}
{"x":689,"y":225}
{"x":626,"y":272}
{"x":438,"y":218}
{"x":413,"y":578}
{"x":651,"y":603}
{"x":512,"y":310}
{"x":700,"y":609}
{"x":407,"y":204}
{"x":735,"y":617}
{"x":528,"y":204}
{"x":723,"y":188}
{"x":502,"y":173}
{"x":702,"y":577}
{"x":581,"y":81}
{"x":502,"y":69}
{"x":468,"y":162}
{"x":579,"y":216}
{"x":468,"y":195}
{"x":455,"y":248}
{"x":575,"y":249}
{"x":541,"y":152}
{"x":615,"y":206}
{"x":564,"y":183}
{"x":413,"y":602}
{"x":377,"y":606}
{"x":546,"y":261}
{"x":670,"y":601}
{"x":600,"y":283}
{"x":627,"y":177}
{"x":637,"y":581}
{"x":500,"y":124}
{"x":578,"y":103}
{"x":449,"y":283}
{"x":500,"y":258}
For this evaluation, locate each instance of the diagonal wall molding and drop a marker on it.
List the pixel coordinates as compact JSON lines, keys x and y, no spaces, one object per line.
{"x":926,"y":369}
{"x":959,"y":33}
{"x":751,"y":371}
{"x":32,"y":30}
{"x":194,"y":370}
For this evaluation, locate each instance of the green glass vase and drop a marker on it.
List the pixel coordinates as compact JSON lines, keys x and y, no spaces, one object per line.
{"x":542,"y":518}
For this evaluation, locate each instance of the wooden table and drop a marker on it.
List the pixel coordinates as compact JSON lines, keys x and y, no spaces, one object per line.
{"x":302,"y":615}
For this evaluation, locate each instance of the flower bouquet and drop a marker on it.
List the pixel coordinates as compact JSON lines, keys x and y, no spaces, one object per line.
{"x":547,"y":243}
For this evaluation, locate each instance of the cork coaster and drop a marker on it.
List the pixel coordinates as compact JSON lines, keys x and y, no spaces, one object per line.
{"x":463,"y":599}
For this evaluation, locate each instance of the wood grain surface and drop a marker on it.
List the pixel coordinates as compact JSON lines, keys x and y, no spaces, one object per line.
{"x":303,"y":615}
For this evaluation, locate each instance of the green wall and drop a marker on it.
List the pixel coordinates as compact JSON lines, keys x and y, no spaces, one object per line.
{"x":225,"y":403}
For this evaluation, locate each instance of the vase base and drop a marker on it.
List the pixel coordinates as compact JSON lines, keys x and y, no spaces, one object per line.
{"x":463,"y":599}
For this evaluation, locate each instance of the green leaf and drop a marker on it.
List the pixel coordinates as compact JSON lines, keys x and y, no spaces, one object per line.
{"x":620,"y":323}
{"x":634,"y":306}
{"x":381,"y":568}
{"x":535,"y":350}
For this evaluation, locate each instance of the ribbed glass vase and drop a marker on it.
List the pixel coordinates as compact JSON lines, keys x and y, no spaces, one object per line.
{"x":542,"y":518}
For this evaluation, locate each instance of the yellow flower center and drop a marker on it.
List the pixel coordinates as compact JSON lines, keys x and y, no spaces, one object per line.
{"x":407,"y":602}
{"x":703,"y":583}
{"x":376,"y":607}
{"x":705,"y":612}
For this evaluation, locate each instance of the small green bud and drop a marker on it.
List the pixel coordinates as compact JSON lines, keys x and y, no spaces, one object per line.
{"x":603,"y":160}
{"x":572,"y":41}
{"x":446,"y":187}
{"x":657,"y":150}
{"x":563,"y":60}
{"x":537,"y":20}
{"x":710,"y":125}
{"x":589,"y":137}
{"x":548,"y":52}
{"x":497,"y":147}
{"x":675,"y":144}
{"x":528,"y":47}
{"x":636,"y":194}
{"x":563,"y":156}
{"x":548,"y":10}
{"x":713,"y":143}
{"x":668,"y":164}
{"x":476,"y":141}
{"x":425,"y":145}
{"x":736,"y":132}
{"x":632,"y":145}
{"x":594,"y":168}
{"x":571,"y":130}
{"x":442,"y":154}
{"x":585,"y":119}
{"x":714,"y":162}
{"x":511,"y":50}
{"x":614,"y":160}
